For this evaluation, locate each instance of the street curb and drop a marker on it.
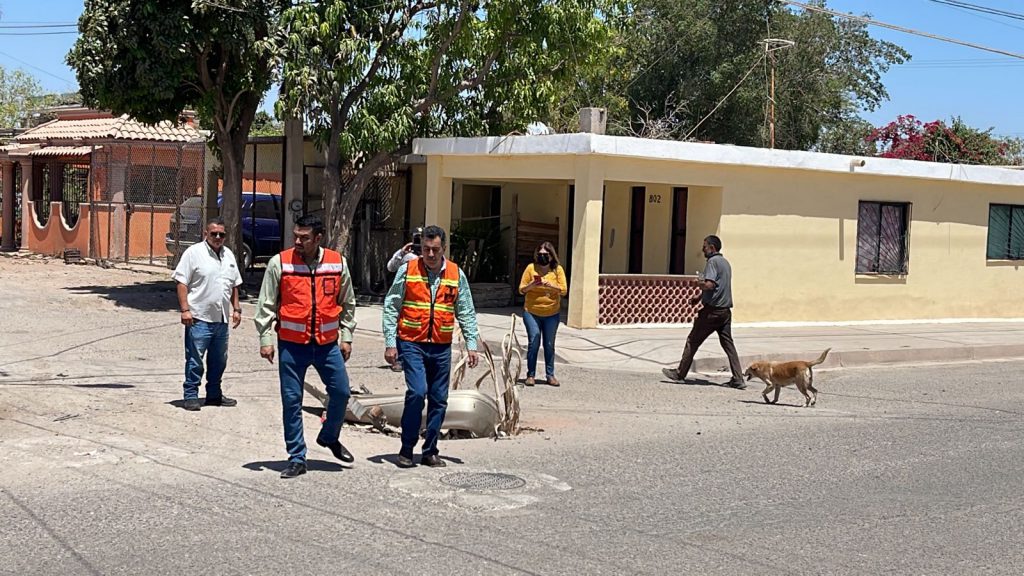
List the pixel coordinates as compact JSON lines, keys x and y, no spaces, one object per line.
{"x":859,"y":358}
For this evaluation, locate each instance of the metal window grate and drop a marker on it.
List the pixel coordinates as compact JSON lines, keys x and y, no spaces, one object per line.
{"x":882,"y":238}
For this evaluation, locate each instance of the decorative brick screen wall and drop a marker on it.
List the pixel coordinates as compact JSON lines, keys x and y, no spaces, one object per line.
{"x":646,"y":299}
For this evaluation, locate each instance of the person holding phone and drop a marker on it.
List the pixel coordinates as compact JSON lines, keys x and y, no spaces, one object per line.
{"x":544,"y":285}
{"x":407,"y":253}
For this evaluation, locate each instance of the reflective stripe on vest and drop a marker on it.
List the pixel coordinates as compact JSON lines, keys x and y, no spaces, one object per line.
{"x":309,"y":310}
{"x":423,"y":318}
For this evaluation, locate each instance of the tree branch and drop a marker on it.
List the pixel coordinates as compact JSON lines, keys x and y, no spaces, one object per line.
{"x":442,"y":50}
{"x":473,"y":81}
{"x":378,"y":59}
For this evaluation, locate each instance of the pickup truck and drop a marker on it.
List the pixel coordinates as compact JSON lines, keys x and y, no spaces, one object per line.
{"x":261,"y":227}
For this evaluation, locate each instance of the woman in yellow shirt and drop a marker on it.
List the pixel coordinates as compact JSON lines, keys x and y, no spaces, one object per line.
{"x":543,"y":284}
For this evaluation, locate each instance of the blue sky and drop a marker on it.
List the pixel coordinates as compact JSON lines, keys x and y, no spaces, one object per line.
{"x":941,"y":80}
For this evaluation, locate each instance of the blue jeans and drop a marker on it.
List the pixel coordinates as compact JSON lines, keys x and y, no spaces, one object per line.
{"x":292,"y":365}
{"x":427,"y":369}
{"x":209,"y":339}
{"x":538,"y":327}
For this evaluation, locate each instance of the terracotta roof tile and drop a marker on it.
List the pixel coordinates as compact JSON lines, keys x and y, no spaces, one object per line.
{"x":63,"y":151}
{"x":121,"y":128}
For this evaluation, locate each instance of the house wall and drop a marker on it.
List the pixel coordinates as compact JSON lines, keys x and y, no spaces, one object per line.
{"x":546,"y":202}
{"x":948,"y":274}
{"x":56,"y":236}
{"x":418,"y":203}
{"x":615,"y":228}
{"x":791,"y":236}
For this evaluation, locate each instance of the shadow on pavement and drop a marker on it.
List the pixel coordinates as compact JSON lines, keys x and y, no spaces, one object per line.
{"x":692,"y":382}
{"x":279,"y":465}
{"x":155,"y":296}
{"x":763,"y":403}
{"x":392,"y":458}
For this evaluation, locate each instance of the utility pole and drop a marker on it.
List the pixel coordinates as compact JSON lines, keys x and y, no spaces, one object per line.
{"x":770,"y":46}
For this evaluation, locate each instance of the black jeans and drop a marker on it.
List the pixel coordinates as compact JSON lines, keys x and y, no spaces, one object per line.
{"x":708,"y":321}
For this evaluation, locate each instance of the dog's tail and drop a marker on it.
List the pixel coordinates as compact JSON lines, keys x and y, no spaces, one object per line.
{"x":820,"y":358}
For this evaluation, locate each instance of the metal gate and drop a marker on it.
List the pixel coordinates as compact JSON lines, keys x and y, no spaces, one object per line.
{"x":147,"y":202}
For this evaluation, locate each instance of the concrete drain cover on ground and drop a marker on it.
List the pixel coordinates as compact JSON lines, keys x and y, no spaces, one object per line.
{"x":483,"y":481}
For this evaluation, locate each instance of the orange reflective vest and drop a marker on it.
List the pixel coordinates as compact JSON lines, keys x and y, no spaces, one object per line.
{"x":422,"y":318}
{"x":309,"y":310}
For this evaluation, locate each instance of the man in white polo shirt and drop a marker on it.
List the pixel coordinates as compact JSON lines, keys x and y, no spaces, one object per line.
{"x":207,"y":283}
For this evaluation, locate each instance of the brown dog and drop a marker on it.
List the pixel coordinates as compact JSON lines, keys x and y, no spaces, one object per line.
{"x":779,"y":374}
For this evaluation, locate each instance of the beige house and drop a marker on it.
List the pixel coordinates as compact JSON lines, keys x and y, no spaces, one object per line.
{"x":812,"y":237}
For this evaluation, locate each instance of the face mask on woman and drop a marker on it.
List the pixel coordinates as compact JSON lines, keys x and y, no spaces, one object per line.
{"x":543,"y":259}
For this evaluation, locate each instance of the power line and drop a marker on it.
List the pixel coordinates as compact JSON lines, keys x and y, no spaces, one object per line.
{"x":72,"y":25}
{"x":902,"y":29}
{"x":16,"y":59}
{"x":978,"y":8}
{"x":37,"y":33}
{"x":995,"y":20}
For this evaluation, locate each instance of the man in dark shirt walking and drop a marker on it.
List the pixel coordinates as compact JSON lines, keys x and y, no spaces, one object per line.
{"x":714,"y":316}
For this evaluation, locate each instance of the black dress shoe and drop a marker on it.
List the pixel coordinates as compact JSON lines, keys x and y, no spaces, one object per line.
{"x":338,"y":449}
{"x":434,"y":461}
{"x":192,"y":405}
{"x":294,"y":469}
{"x":222,"y":401}
{"x":405,"y":461}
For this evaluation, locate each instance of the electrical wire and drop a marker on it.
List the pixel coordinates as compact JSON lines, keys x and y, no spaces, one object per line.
{"x":979,"y":8}
{"x":902,"y":29}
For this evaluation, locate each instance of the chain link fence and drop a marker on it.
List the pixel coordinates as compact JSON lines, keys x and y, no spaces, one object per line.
{"x":147,"y":201}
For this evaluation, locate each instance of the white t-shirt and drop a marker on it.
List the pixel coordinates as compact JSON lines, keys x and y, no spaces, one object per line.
{"x":210,"y":281}
{"x":397,"y":259}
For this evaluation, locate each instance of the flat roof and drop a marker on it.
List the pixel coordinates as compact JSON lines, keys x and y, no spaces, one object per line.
{"x":721,"y":154}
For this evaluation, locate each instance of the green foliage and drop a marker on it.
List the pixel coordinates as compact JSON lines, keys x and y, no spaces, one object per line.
{"x":686,"y":55}
{"x":369,"y":76}
{"x":19,"y":92}
{"x":265,"y":125}
{"x":153,"y":58}
{"x":848,"y":136}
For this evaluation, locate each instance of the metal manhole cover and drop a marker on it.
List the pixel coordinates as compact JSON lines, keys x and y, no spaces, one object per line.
{"x":483,"y":481}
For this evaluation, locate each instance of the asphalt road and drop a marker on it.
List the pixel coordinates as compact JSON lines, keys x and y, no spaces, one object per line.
{"x":912,"y":470}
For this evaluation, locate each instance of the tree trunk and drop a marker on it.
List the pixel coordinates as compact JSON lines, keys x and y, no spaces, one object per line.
{"x":232,"y":151}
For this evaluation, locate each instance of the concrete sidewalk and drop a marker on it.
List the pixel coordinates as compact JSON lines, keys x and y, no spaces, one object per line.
{"x":648,"y":349}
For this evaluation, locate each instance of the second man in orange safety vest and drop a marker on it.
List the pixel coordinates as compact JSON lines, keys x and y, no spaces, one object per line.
{"x":428,"y":296}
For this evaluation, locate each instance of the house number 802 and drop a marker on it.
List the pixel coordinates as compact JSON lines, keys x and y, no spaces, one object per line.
{"x":654,"y":199}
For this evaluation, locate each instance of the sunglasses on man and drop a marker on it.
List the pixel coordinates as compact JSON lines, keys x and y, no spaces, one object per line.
{"x":218,"y":234}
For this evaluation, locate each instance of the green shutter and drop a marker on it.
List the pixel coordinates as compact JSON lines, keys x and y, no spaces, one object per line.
{"x":1017,"y":233}
{"x":999,"y":231}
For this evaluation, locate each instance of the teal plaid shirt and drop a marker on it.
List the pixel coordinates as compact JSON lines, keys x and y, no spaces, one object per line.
{"x":465,"y":313}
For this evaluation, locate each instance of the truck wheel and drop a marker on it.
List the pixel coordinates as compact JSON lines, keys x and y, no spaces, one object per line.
{"x":246,"y":256}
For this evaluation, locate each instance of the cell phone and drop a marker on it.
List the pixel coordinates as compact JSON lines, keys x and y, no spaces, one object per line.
{"x":417,"y":248}
{"x":536,"y":278}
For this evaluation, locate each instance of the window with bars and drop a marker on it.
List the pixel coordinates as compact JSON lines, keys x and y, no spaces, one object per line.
{"x":1005,"y":232}
{"x":882,"y":237}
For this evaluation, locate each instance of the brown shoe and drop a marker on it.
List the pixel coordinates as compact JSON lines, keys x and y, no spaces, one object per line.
{"x":530,"y":381}
{"x":553,"y":381}
{"x":433,"y":461}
